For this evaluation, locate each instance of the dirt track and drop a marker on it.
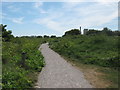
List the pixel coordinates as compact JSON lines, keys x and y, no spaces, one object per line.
{"x":58,"y":73}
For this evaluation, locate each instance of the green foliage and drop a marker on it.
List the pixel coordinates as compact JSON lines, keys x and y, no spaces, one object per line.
{"x":73,"y":32}
{"x":45,"y":36}
{"x":105,"y":31}
{"x":93,"y":32}
{"x":15,"y":75}
{"x":100,"y":50}
{"x":39,"y":36}
{"x":6,"y":34}
{"x":53,"y":36}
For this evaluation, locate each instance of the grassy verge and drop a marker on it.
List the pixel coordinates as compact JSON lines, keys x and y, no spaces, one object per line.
{"x":99,"y":77}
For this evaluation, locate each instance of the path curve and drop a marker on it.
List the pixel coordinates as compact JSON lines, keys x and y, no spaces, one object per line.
{"x":58,"y":73}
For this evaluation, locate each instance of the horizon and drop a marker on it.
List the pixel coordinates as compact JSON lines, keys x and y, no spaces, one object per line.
{"x":55,"y":18}
{"x":61,"y":35}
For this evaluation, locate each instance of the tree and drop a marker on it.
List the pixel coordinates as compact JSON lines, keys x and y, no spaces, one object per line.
{"x":53,"y":36}
{"x":45,"y":36}
{"x":107,"y":31}
{"x":39,"y":36}
{"x":6,"y":34}
{"x":116,"y":33}
{"x":92,"y":32}
{"x":73,"y":32}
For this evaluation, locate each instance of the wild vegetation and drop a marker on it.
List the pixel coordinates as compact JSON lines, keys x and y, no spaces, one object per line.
{"x":100,"y":50}
{"x":0,"y":57}
{"x":21,"y":61}
{"x":91,"y":49}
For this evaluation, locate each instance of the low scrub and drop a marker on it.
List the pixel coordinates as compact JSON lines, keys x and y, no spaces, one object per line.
{"x":21,"y":58}
{"x":100,"y":50}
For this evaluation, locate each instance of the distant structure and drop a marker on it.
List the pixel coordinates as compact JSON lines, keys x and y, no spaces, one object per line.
{"x":85,"y":31}
{"x":80,"y":29}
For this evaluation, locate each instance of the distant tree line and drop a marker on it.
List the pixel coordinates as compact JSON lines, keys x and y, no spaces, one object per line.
{"x":45,"y":36}
{"x":105,"y":31}
{"x":7,"y":34}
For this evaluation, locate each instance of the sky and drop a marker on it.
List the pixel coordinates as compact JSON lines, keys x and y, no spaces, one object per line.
{"x":55,"y":18}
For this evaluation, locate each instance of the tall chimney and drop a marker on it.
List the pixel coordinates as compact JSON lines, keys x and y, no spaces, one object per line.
{"x":80,"y":29}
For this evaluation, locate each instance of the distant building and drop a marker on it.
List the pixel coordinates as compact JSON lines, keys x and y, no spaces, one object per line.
{"x":85,"y":31}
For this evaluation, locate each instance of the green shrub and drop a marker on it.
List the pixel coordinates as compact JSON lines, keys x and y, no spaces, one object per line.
{"x":98,"y":49}
{"x":15,"y":74}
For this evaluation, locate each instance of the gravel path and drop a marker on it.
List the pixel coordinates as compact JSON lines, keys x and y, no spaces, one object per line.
{"x":58,"y":73}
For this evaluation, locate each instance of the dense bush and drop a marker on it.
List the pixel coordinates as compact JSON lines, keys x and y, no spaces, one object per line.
{"x":18,"y":68}
{"x":98,"y":49}
{"x":72,"y":32}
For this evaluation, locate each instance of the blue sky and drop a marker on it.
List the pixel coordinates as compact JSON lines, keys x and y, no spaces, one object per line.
{"x":54,"y":18}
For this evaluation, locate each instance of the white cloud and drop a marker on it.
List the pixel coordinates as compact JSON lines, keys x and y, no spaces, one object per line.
{"x":38,"y":4}
{"x":97,"y":20}
{"x":13,"y":8}
{"x":92,"y":15}
{"x":2,"y":16}
{"x":70,"y":5}
{"x":18,"y":20}
{"x":42,"y":11}
{"x":106,"y":1}
{"x":51,"y":24}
